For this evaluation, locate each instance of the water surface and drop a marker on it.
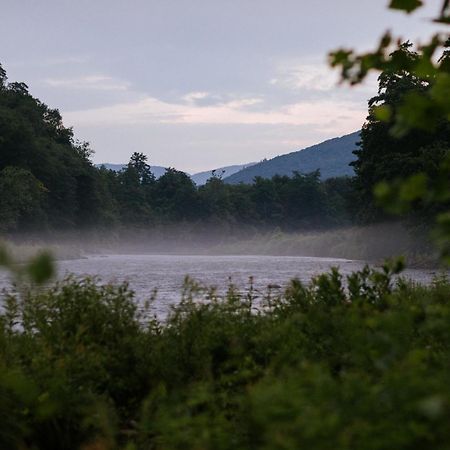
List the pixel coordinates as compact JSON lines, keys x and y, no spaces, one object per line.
{"x":166,"y":273}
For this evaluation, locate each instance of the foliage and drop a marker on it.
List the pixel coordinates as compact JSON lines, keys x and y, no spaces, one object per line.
{"x":361,"y":363}
{"x":37,"y":270}
{"x":407,"y":134}
{"x":385,"y":156}
{"x":355,"y":363}
{"x":21,"y":202}
{"x":41,"y":164}
{"x":48,"y":182}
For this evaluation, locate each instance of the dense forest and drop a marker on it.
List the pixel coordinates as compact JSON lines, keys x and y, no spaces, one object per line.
{"x":48,"y":181}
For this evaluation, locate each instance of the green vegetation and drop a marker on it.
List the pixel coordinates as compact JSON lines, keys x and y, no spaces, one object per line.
{"x":404,"y":157}
{"x":385,"y":155}
{"x":82,"y":367}
{"x":361,"y":363}
{"x":48,"y":182}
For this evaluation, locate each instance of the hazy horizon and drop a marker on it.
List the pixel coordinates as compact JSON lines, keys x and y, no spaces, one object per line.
{"x":196,"y":85}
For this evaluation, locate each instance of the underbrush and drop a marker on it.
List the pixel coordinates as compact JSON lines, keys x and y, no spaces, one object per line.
{"x":362,"y":364}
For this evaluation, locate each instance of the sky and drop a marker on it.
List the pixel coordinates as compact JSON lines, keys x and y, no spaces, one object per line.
{"x":197,"y":84}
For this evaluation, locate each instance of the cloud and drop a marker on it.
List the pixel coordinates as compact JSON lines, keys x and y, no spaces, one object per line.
{"x":192,"y":97}
{"x":317,"y":78}
{"x":327,"y":112}
{"x":324,"y":114}
{"x":207,"y":99}
{"x":89,"y":82}
{"x":298,"y":75}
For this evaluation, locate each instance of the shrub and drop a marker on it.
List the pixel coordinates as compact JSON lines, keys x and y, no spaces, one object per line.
{"x":355,"y":363}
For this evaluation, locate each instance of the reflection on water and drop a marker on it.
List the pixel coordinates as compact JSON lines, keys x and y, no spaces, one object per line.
{"x":166,"y":272}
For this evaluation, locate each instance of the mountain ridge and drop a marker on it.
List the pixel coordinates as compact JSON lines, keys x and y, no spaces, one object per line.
{"x":157,"y":171}
{"x":199,"y":178}
{"x":332,"y":157}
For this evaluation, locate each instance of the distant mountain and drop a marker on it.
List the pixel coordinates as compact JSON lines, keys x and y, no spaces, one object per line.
{"x":331,"y":157}
{"x":156,"y":170}
{"x":201,"y":178}
{"x":115,"y":167}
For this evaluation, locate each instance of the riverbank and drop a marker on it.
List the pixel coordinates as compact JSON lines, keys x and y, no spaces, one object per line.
{"x":370,"y":243}
{"x":373,"y":243}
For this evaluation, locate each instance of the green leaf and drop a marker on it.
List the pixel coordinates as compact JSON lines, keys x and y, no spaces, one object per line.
{"x":406,"y":5}
{"x":41,"y":268}
{"x":383,"y":113}
{"x":383,"y":191}
{"x":413,"y":188}
{"x":416,"y":111}
{"x":440,"y":91}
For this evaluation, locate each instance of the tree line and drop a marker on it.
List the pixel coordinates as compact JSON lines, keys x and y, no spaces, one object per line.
{"x":48,"y":181}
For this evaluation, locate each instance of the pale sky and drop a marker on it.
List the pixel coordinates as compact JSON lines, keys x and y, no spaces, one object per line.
{"x":197,"y":84}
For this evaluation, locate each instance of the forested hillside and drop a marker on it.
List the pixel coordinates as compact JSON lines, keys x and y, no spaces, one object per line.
{"x":48,"y":181}
{"x":46,"y":176}
{"x":332,"y":158}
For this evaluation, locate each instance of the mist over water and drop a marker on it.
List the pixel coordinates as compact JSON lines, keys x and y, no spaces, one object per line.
{"x":372,"y":243}
{"x":160,"y":259}
{"x":166,"y":273}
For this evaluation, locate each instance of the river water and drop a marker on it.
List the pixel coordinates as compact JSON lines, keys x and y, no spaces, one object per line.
{"x":166,"y":273}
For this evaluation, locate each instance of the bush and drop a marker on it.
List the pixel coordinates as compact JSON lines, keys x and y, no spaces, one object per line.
{"x":356,"y":363}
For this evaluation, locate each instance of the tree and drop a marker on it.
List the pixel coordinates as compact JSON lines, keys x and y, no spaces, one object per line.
{"x":34,"y":138}
{"x":21,"y":201}
{"x":176,"y":196}
{"x":3,"y":77}
{"x":268,"y":205}
{"x":385,"y":155}
{"x":303,"y":199}
{"x":136,"y":185}
{"x":426,"y":108}
{"x":138,"y":163}
{"x":214,"y":198}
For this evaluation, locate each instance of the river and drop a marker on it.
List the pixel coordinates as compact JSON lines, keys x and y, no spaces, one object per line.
{"x":166,"y":273}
